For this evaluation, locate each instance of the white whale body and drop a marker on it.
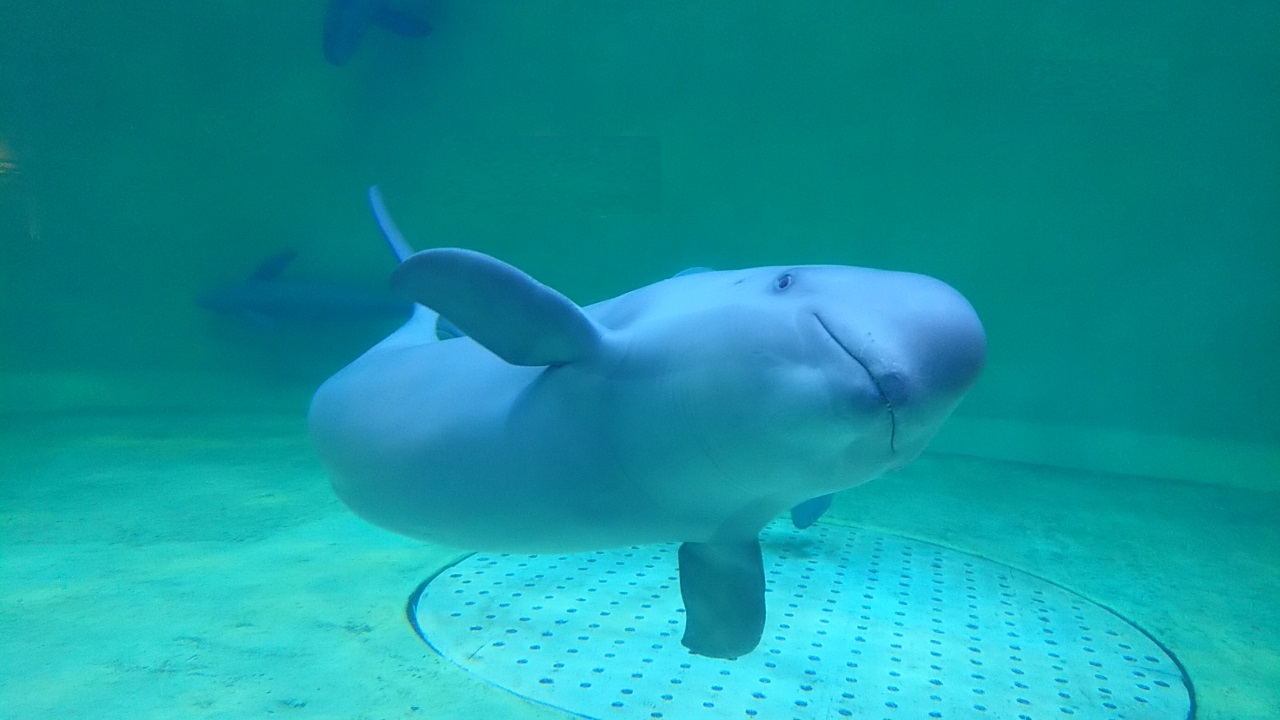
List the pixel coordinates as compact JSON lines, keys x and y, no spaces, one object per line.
{"x":692,"y":410}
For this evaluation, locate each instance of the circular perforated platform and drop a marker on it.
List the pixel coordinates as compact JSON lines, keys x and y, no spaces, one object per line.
{"x":860,"y":625}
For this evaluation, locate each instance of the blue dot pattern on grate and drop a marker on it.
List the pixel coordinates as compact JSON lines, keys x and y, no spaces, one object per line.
{"x":860,"y":625}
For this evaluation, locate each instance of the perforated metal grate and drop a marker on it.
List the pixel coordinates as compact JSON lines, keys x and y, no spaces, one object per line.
{"x":860,"y":625}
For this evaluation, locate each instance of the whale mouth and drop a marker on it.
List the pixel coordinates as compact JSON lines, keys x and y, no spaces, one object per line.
{"x":893,"y":420}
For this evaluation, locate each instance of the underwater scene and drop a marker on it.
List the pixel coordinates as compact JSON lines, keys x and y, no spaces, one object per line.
{"x":640,"y":359}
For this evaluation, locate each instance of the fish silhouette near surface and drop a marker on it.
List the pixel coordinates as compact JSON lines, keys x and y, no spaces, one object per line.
{"x":692,"y":410}
{"x":347,"y":21}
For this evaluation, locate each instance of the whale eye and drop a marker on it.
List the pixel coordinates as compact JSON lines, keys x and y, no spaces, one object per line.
{"x":783,"y":282}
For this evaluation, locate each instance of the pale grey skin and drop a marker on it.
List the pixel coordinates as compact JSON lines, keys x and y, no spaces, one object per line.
{"x":692,"y":410}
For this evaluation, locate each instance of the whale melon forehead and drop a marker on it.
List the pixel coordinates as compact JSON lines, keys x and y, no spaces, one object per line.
{"x":715,"y":289}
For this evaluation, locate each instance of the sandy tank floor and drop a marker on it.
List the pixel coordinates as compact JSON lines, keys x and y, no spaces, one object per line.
{"x":156,"y":566}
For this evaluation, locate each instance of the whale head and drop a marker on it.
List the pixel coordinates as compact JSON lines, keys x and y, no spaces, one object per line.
{"x":798,"y":381}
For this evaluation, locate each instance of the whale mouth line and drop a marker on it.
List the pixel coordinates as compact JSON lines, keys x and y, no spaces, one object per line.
{"x":893,"y":419}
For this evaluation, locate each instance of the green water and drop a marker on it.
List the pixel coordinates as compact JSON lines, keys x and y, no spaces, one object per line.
{"x":1101,"y":180}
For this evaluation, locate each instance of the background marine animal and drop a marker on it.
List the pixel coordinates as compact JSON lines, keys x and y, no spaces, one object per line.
{"x":347,"y":21}
{"x":266,"y":300}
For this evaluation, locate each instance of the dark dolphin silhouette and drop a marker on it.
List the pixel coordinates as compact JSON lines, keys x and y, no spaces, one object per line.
{"x":347,"y":21}
{"x":267,"y":301}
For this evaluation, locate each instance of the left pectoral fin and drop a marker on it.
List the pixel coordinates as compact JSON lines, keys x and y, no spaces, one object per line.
{"x":722,"y":585}
{"x":499,"y":306}
{"x":808,"y":512}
